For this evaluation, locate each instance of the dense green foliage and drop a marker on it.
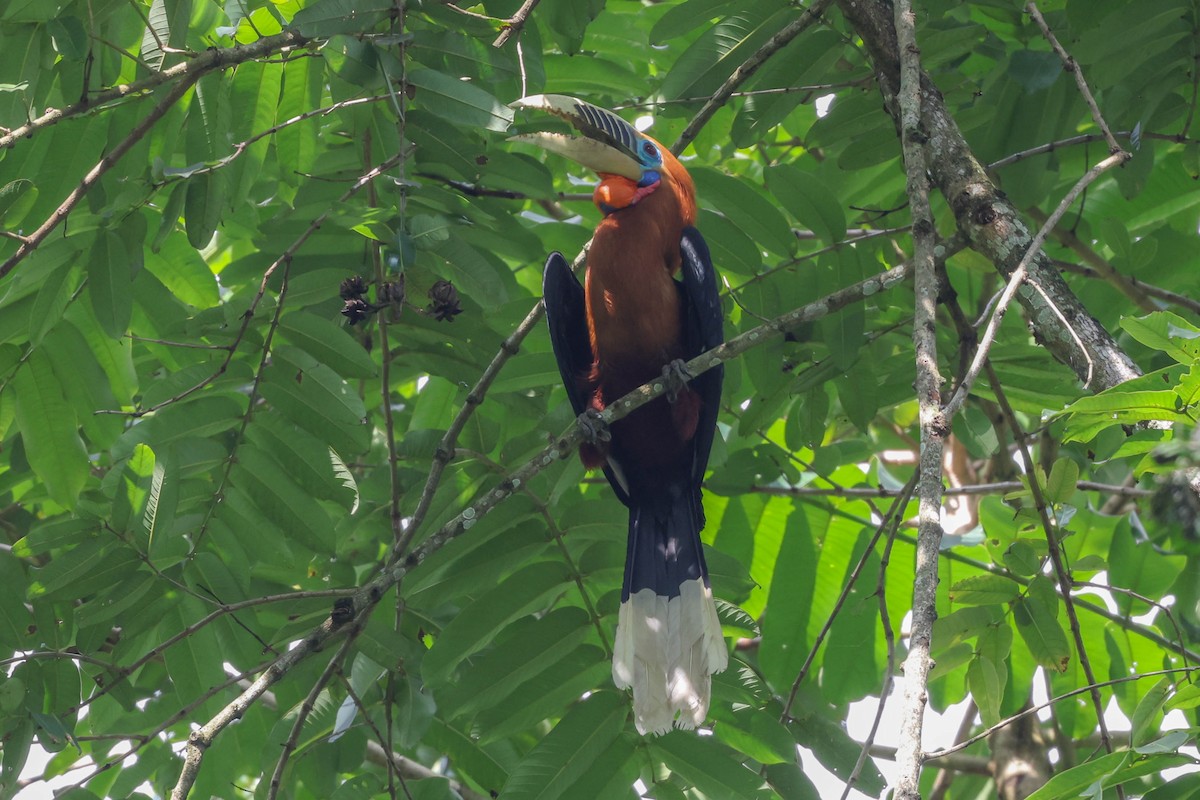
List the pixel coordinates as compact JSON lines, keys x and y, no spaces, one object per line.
{"x":188,"y":421}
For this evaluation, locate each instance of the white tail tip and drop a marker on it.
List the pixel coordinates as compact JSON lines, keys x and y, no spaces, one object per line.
{"x":666,"y":650}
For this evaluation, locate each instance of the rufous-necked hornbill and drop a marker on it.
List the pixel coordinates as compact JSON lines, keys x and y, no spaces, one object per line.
{"x":632,"y":323}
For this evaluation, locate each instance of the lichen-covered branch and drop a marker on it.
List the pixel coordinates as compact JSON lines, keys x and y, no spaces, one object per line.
{"x":995,"y":229}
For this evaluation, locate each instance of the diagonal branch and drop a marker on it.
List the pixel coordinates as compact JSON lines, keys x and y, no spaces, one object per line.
{"x":31,"y":242}
{"x":991,"y":223}
{"x":192,"y":69}
{"x":1018,"y":276}
{"x":1070,"y":66}
{"x":514,"y":24}
{"x":369,"y":595}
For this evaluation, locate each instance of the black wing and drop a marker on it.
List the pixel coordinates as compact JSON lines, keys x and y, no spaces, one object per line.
{"x":566,"y":313}
{"x":704,"y":330}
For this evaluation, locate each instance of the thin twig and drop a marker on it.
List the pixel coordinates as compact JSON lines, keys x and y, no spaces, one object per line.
{"x":1056,"y":558}
{"x":748,"y":68}
{"x":306,"y":707}
{"x":1166,"y":295}
{"x":123,"y":672}
{"x":1082,"y":138}
{"x":379,"y":737}
{"x":1070,"y":65}
{"x":894,"y":513}
{"x":1164,"y":609}
{"x":889,"y":637}
{"x":776,"y":90}
{"x":941,"y":784}
{"x":1017,"y":278}
{"x":241,"y":147}
{"x":999,"y":487}
{"x":979,"y":737}
{"x":513,"y":25}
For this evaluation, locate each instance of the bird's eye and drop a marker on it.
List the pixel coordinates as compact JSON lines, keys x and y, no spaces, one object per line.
{"x":649,"y":149}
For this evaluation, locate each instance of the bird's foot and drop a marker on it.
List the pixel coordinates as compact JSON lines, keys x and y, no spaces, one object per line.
{"x":595,"y":429}
{"x":676,"y":376}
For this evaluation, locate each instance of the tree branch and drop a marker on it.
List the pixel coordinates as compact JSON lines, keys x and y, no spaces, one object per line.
{"x":988,"y":219}
{"x":106,"y":163}
{"x":209,"y":60}
{"x":513,"y":25}
{"x":935,"y":425}
{"x":369,"y":595}
{"x":1014,"y":283}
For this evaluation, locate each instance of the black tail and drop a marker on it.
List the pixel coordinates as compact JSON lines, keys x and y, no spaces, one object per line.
{"x":669,"y":639}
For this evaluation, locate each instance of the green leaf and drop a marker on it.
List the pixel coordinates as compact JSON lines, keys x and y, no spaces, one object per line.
{"x":732,"y":250}
{"x":1060,"y":486}
{"x":1187,"y":696}
{"x":1035,"y":69}
{"x":1168,"y":332}
{"x":1036,"y":616}
{"x":415,"y":710}
{"x":546,"y":694}
{"x":16,"y":198}
{"x":809,"y":200}
{"x":529,"y":647}
{"x":469,"y":757}
{"x":109,"y":284}
{"x":1022,"y":558}
{"x":161,"y":502}
{"x":479,"y":623}
{"x":569,"y":749}
{"x":1169,"y":743}
{"x":612,"y":774}
{"x":49,"y":431}
{"x":459,"y":102}
{"x":175,"y":262}
{"x":296,"y":145}
{"x":326,"y":18}
{"x":317,"y":399}
{"x":281,"y":500}
{"x":746,"y":208}
{"x":189,"y":662}
{"x":86,"y":569}
{"x":757,"y":733}
{"x":51,"y":302}
{"x":1148,"y":714}
{"x":706,"y":764}
{"x":982,"y":590}
{"x":475,"y":275}
{"x":1108,"y":770}
{"x":1182,"y":787}
{"x":720,"y":49}
{"x":965,"y":623}
{"x":157,"y":35}
{"x":327,"y":343}
{"x":685,"y":17}
{"x":987,"y":675}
